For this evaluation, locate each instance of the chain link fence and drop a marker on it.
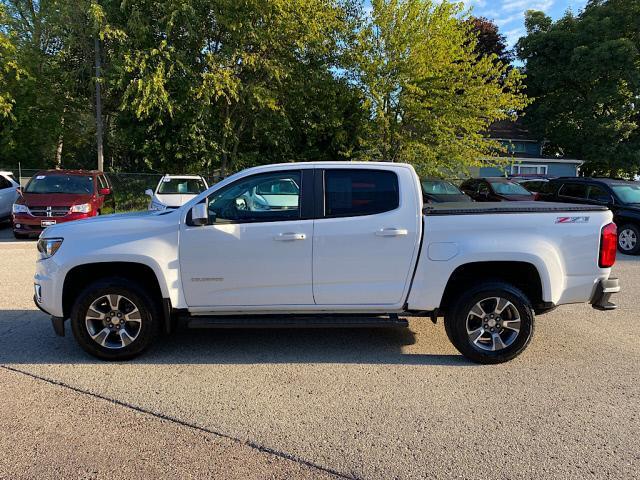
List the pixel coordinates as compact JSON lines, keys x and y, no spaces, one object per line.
{"x":128,"y":188}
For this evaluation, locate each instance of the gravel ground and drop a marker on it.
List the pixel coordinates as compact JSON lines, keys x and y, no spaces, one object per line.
{"x":374,"y":404}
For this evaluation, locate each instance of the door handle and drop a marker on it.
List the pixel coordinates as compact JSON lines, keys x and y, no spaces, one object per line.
{"x":392,"y":232}
{"x":289,"y":237}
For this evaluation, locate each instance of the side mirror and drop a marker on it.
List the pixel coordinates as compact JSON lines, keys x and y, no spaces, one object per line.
{"x":200,"y":214}
{"x":105,"y":191}
{"x":149,"y":192}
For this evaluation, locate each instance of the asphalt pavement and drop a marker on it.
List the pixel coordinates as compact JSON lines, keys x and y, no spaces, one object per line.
{"x":371,"y":404}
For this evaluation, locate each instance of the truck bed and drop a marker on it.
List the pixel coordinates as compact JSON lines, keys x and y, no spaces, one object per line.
{"x":482,"y":208}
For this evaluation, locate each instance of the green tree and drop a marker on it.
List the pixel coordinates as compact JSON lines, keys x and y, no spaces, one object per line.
{"x":584,"y":73}
{"x":429,"y":94}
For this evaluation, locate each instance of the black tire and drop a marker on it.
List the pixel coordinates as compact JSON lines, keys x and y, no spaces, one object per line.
{"x":632,"y":239}
{"x":455,"y":323}
{"x":134,"y":294}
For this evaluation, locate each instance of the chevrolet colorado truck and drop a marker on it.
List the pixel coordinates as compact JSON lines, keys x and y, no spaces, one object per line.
{"x":324,"y":245}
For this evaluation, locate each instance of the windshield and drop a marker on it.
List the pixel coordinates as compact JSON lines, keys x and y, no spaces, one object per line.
{"x":60,"y":183}
{"x":181,"y":186}
{"x":627,"y":193}
{"x":509,"y":188}
{"x":439,"y":187}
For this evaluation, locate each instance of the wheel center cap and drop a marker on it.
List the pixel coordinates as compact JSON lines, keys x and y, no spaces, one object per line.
{"x":491,"y":322}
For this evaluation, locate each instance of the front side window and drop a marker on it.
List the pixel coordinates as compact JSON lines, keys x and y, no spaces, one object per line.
{"x":4,"y":183}
{"x":60,"y":183}
{"x":599,"y":194}
{"x":350,"y":192}
{"x":265,"y":197}
{"x":627,"y":193}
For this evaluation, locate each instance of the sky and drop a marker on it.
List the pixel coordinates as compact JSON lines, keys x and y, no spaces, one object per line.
{"x":509,"y":14}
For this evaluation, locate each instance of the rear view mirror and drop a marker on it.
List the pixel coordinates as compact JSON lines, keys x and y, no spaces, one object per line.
{"x":149,"y":192}
{"x":200,"y":214}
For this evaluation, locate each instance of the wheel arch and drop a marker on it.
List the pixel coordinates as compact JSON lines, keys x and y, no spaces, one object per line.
{"x":78,"y":277}
{"x":523,"y":275}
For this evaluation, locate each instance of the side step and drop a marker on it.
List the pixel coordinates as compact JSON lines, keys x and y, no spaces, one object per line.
{"x":295,"y":321}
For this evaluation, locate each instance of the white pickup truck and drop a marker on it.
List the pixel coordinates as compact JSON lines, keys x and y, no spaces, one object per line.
{"x":324,"y":245}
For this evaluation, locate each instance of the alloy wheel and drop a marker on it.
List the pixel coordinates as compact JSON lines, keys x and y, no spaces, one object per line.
{"x":627,"y":239}
{"x":493,"y":324}
{"x":113,"y":321}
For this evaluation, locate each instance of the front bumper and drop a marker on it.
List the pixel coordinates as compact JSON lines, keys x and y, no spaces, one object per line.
{"x":601,"y":299}
{"x":31,"y":225}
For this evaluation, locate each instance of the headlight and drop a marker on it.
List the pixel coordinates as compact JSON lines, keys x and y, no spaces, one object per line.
{"x":18,"y":208}
{"x":48,"y":246}
{"x":82,"y":208}
{"x":155,"y":205}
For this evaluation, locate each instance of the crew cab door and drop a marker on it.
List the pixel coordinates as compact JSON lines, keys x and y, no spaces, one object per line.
{"x":366,"y":237}
{"x":256,"y":249}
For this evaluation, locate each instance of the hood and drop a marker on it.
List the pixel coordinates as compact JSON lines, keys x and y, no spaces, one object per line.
{"x":435,"y":198}
{"x":174,"y":199}
{"x":116,"y":226}
{"x":53,"y":199}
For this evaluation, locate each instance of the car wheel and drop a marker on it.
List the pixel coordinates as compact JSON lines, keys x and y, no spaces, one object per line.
{"x":628,"y":236}
{"x":114,"y":319}
{"x":492,"y":323}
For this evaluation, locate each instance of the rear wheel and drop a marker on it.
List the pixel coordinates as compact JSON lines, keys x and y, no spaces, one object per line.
{"x":492,"y":323}
{"x":628,"y":236}
{"x":114,"y":319}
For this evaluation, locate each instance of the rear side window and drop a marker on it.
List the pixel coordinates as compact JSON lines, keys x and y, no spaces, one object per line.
{"x":350,"y":193}
{"x":573,"y":190}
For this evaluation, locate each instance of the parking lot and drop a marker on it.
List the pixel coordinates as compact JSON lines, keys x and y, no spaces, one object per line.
{"x":371,"y":404}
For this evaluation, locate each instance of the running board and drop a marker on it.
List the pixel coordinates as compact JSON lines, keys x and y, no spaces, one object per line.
{"x":284,"y":321}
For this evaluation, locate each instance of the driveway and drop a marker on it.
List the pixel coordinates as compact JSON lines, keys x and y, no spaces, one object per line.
{"x":374,"y":404}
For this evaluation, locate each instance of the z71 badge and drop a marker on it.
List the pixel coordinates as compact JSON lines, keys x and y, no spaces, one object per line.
{"x":572,"y":220}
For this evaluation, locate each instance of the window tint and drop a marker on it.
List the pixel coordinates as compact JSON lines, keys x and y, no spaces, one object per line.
{"x":258,"y":199}
{"x":483,"y":188}
{"x":573,"y":190}
{"x":599,"y":194}
{"x":4,"y":183}
{"x":360,"y":192}
{"x":509,"y":188}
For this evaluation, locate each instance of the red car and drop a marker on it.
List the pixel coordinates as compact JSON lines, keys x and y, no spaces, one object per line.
{"x":56,"y":196}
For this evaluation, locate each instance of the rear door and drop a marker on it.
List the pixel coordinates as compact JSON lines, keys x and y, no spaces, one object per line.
{"x":366,"y":235}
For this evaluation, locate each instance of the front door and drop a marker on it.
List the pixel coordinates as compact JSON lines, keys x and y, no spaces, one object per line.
{"x":366,"y":239}
{"x":257,"y":248}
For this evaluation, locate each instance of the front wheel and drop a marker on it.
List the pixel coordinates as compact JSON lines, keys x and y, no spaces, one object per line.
{"x":628,"y":236}
{"x":114,"y":319}
{"x":491,"y":323}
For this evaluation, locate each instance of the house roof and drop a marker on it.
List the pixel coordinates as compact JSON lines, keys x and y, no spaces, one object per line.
{"x":510,"y":130}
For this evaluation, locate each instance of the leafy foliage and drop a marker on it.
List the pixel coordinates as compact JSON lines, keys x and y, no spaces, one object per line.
{"x":217,"y":85}
{"x":584,"y":73}
{"x":430,"y":95}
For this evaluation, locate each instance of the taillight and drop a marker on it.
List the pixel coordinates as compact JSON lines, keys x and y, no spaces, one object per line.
{"x":608,"y":246}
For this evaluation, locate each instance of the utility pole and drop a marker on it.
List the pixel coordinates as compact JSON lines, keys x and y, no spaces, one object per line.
{"x":98,"y":105}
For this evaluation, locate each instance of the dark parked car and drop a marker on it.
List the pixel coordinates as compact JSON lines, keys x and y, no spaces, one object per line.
{"x":621,"y":196}
{"x":435,"y":190}
{"x":495,"y":189}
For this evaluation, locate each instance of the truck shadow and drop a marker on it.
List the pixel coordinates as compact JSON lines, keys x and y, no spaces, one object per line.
{"x":26,"y":337}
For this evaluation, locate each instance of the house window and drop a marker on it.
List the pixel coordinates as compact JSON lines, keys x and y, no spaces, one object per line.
{"x":529,"y":170}
{"x":516,"y":147}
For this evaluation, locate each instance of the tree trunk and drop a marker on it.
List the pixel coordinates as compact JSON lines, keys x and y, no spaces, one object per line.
{"x":99,"y":127}
{"x":58,"y":163}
